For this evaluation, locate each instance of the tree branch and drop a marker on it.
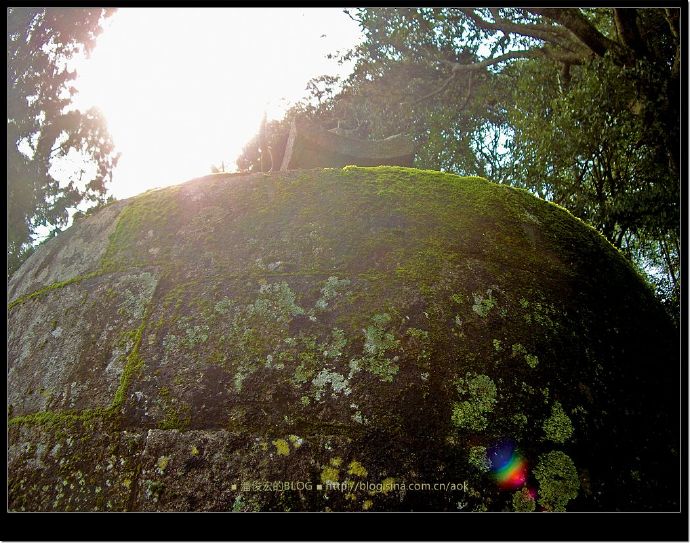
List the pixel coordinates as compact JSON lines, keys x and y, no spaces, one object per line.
{"x":565,"y":77}
{"x":443,"y":87}
{"x":626,"y":24}
{"x":477,"y":66}
{"x":567,"y":58}
{"x":539,"y":52}
{"x":560,"y":43}
{"x":673,"y":20}
{"x":669,"y":264}
{"x":538,"y":31}
{"x":439,"y":90}
{"x":468,"y":94}
{"x":53,"y":152}
{"x":573,"y":20}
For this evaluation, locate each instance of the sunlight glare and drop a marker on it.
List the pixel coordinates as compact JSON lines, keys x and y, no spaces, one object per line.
{"x":183,"y":89}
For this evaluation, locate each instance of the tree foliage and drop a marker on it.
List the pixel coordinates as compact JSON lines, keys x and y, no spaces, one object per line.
{"x":580,"y":106}
{"x":57,"y":156}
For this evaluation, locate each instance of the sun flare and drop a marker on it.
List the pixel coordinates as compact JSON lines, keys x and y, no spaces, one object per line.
{"x":183,"y":89}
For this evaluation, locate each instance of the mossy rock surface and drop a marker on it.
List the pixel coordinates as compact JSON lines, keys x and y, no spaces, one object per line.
{"x":235,"y":341}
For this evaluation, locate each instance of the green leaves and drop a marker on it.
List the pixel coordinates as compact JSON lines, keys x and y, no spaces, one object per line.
{"x":44,"y":137}
{"x":610,"y":166}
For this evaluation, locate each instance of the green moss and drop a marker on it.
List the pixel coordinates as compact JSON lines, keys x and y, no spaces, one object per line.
{"x":217,"y":358}
{"x":357,"y":469}
{"x":330,"y":474}
{"x":162,"y":463}
{"x":334,"y":349}
{"x":176,"y":414}
{"x":478,"y":459}
{"x":558,"y":480}
{"x":424,"y":265}
{"x":149,"y":212}
{"x":175,"y":420}
{"x":383,"y":368}
{"x":471,"y":413}
{"x":523,"y":501}
{"x":330,"y":291}
{"x":483,"y":305}
{"x":418,"y":347}
{"x":275,"y":301}
{"x":378,"y":342}
{"x":468,"y":415}
{"x":61,"y":419}
{"x":50,"y":288}
{"x":306,"y":370}
{"x":458,"y":298}
{"x":558,"y":427}
{"x":520,"y":420}
{"x":387,"y":485}
{"x":153,"y":490}
{"x":224,"y":306}
{"x":282,"y":447}
{"x":47,"y":394}
{"x":133,"y":364}
{"x":545,"y":393}
{"x":256,"y":330}
{"x":191,"y":337}
{"x":518,"y":351}
{"x":172,"y":303}
{"x":421,"y":336}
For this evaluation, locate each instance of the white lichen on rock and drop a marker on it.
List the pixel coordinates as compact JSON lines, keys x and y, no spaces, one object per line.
{"x":377,"y":344}
{"x":329,"y":291}
{"x":339,"y":384}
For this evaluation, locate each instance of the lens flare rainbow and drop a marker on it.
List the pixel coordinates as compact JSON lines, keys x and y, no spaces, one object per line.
{"x":512,"y":474}
{"x":509,"y":468}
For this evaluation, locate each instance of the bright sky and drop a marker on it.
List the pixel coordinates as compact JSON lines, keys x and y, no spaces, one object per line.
{"x":183,"y":88}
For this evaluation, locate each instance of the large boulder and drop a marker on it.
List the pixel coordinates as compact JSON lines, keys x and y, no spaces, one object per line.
{"x":338,"y":339}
